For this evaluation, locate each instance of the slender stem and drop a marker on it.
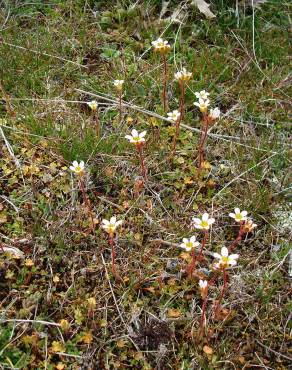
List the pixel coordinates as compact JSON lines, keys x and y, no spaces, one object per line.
{"x":120,"y":106}
{"x":201,"y":150}
{"x":192,"y":264}
{"x":113,"y":253}
{"x":178,"y":121}
{"x":203,"y":317}
{"x":224,"y":286}
{"x":96,"y":121}
{"x":87,"y":202}
{"x":182,"y":100}
{"x":164,"y":96}
{"x":143,"y":167}
{"x":238,"y":238}
{"x":206,"y":235}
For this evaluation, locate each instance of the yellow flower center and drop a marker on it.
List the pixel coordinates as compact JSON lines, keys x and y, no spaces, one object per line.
{"x":189,"y":245}
{"x":78,"y":169}
{"x":238,"y":216}
{"x":204,"y":224}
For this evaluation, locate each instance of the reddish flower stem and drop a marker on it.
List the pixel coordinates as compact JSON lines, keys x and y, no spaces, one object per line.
{"x":224,"y":286}
{"x":120,"y":106}
{"x":96,"y":121}
{"x":164,"y":94}
{"x":143,"y":167}
{"x":204,"y":241}
{"x":113,"y":253}
{"x":238,"y":238}
{"x":197,"y":258}
{"x":192,"y":264}
{"x":203,"y":317}
{"x":201,"y":149}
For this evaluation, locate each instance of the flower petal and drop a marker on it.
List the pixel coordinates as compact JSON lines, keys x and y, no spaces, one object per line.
{"x":205,"y":216}
{"x":211,"y":220}
{"x":113,"y":219}
{"x":143,"y":133}
{"x":236,"y":210}
{"x":135,"y":133}
{"x":232,"y":215}
{"x":234,"y":256}
{"x":105,"y":222}
{"x":196,"y":220}
{"x":75,"y":163}
{"x":185,"y":240}
{"x":244,"y":213}
{"x":224,"y":252}
{"x":217,"y":255}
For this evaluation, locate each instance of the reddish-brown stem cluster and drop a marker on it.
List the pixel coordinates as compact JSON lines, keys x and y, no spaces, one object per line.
{"x":142,"y":162}
{"x":164,"y":93}
{"x":225,"y":280}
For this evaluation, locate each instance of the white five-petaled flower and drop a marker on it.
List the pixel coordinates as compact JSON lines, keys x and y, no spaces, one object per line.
{"x":204,"y":222}
{"x":77,"y":168}
{"x":238,"y":215}
{"x":111,"y":225}
{"x":118,"y":84}
{"x":189,"y":244}
{"x":183,"y":75}
{"x":92,"y":105}
{"x":202,"y":104}
{"x":249,"y":225}
{"x":203,"y":94}
{"x":214,"y":113}
{"x":160,"y":45}
{"x":173,"y":116}
{"x":136,"y":138}
{"x":225,"y":260}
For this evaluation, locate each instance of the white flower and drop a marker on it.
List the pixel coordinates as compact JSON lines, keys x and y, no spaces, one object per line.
{"x":238,"y":215}
{"x":173,"y":116}
{"x":249,"y":225}
{"x":203,"y":284}
{"x":77,"y":168}
{"x":136,"y":138}
{"x":202,"y":104}
{"x":118,"y":84}
{"x":204,"y":222}
{"x":111,"y":225}
{"x":161,"y":45}
{"x":183,"y":75}
{"x":214,"y":113}
{"x":203,"y":94}
{"x":92,"y":105}
{"x":224,"y":259}
{"x":189,"y":244}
